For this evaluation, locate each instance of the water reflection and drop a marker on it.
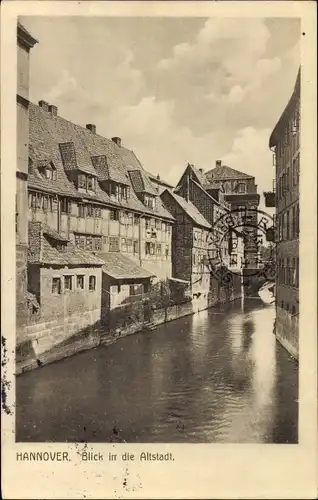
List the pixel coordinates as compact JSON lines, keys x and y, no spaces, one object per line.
{"x":217,"y":376}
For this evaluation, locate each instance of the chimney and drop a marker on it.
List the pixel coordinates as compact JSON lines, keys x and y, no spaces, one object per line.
{"x":158,"y":177}
{"x":218,"y":163}
{"x":44,"y":105}
{"x":201,"y":170}
{"x":53,"y":109}
{"x":117,"y":140}
{"x":91,"y":127}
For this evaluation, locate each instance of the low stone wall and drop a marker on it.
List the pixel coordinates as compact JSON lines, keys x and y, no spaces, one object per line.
{"x":44,"y":343}
{"x":287,"y":331}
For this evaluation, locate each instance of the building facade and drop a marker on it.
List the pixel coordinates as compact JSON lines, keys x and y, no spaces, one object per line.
{"x":285,"y":145}
{"x":240,"y":192}
{"x":225,"y":243}
{"x":190,"y":244}
{"x":95,"y":192}
{"x":25,"y":42}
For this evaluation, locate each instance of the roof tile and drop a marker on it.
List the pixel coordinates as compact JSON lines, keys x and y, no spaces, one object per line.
{"x":102,"y":156}
{"x":188,"y":207}
{"x":119,"y":266}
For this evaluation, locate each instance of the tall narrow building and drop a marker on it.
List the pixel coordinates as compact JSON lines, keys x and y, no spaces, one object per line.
{"x":285,"y":144}
{"x":25,"y":42}
{"x":240,"y":192}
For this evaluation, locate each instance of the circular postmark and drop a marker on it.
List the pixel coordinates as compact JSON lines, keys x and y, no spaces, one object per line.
{"x":236,"y":242}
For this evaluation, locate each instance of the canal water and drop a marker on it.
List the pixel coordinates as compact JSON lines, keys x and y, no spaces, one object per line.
{"x":218,"y":376}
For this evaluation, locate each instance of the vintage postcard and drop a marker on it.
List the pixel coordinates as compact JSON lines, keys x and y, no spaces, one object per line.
{"x":159,"y":250}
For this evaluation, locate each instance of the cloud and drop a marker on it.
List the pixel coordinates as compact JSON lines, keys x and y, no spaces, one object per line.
{"x":66,"y":85}
{"x":198,"y":90}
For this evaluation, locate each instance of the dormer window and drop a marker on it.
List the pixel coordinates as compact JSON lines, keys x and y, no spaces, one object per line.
{"x":241,"y":188}
{"x":48,"y":171}
{"x":90,"y":183}
{"x":118,"y":191}
{"x":150,"y":201}
{"x":86,"y":182}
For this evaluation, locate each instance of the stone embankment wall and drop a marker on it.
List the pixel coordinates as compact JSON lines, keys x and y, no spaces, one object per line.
{"x":45,"y":342}
{"x":287,"y":331}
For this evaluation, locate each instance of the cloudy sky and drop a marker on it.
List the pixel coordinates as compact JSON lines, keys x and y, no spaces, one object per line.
{"x":175,"y":90}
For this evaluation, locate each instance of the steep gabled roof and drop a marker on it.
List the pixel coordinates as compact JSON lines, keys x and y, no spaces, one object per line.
{"x":96,"y":154}
{"x":187,"y":207}
{"x":119,"y":266}
{"x":141,"y":183}
{"x":223,"y":172}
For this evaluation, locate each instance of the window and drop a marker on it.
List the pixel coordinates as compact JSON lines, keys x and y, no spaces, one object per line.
{"x":82,"y":181}
{"x":287,"y":275}
{"x":293,"y":310}
{"x":297,"y":272}
{"x":80,"y":281}
{"x":92,"y":283}
{"x":113,"y":244}
{"x":38,"y":200}
{"x":54,"y":204}
{"x":149,"y":248}
{"x":80,"y":241}
{"x":136,"y":247}
{"x":167,"y":251}
{"x":233,"y":260}
{"x":123,"y":246}
{"x":130,"y":218}
{"x":89,"y":243}
{"x":123,"y":192}
{"x":287,"y":224}
{"x":90,"y":211}
{"x":68,"y":282}
{"x":65,"y":205}
{"x":288,"y":180}
{"x":81,"y":210}
{"x":123,"y":217}
{"x":168,"y":228}
{"x":56,"y":286}
{"x":114,"y":289}
{"x":48,"y":173}
{"x":159,"y":249}
{"x":136,"y":219}
{"x":158,"y":224}
{"x":284,"y":226}
{"x":147,"y":223}
{"x":90,"y":183}
{"x":293,"y":230}
{"x":135,"y":289}
{"x":31,"y":200}
{"x":129,"y":245}
{"x":98,"y":244}
{"x":114,"y":215}
{"x":293,"y":277}
{"x":241,"y":188}
{"x":45,"y":202}
{"x":98,"y":212}
{"x":297,"y":221}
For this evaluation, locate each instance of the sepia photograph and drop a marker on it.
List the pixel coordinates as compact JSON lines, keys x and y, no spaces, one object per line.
{"x":157,"y":229}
